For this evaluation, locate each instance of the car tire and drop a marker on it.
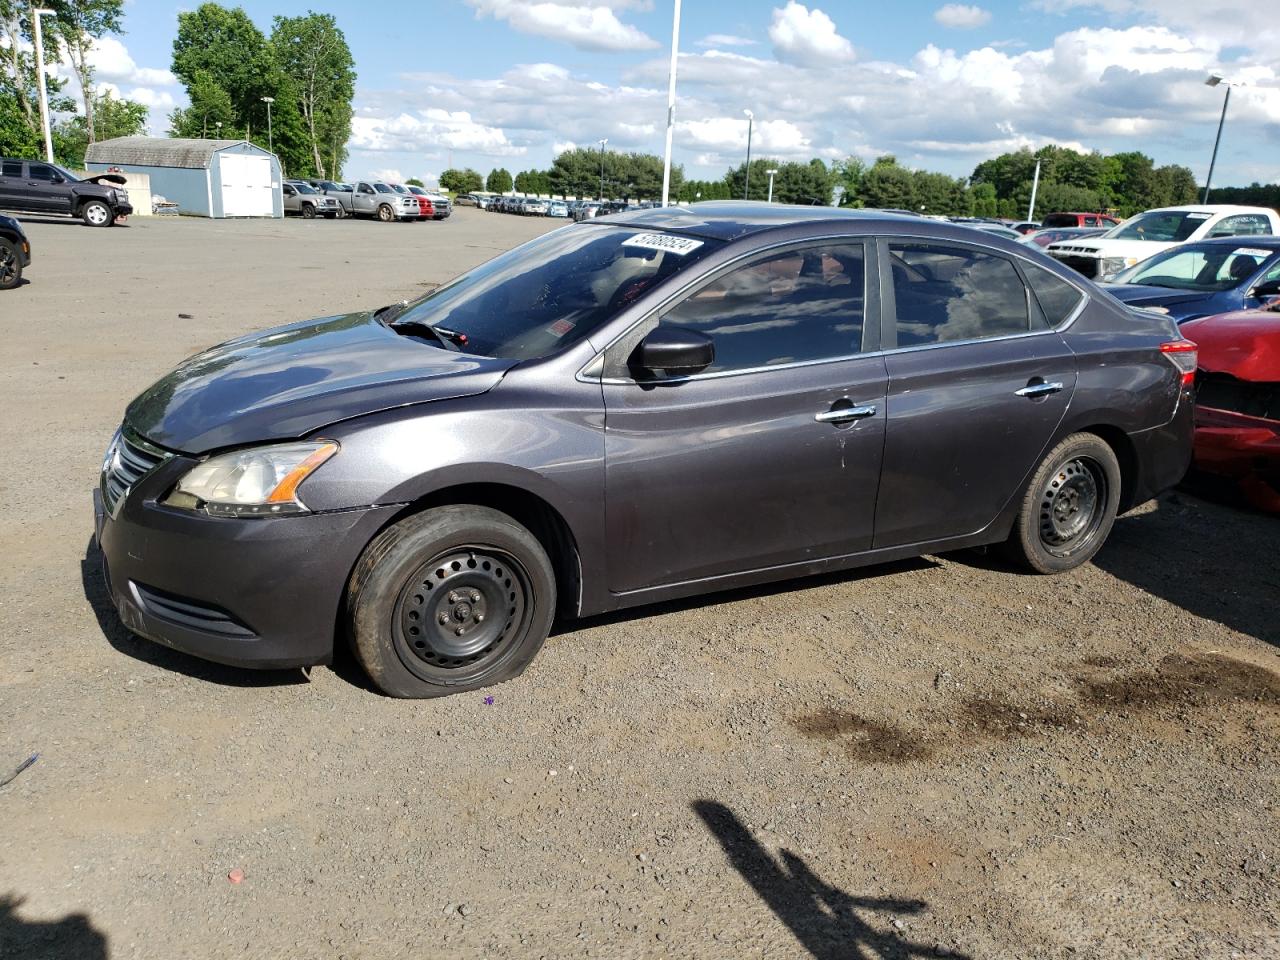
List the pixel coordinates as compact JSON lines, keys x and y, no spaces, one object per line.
{"x":342,"y":212}
{"x":10,"y":264}
{"x":448,"y":600}
{"x":1068,"y":508}
{"x":385,"y":213}
{"x":95,"y":213}
{"x":308,"y":211}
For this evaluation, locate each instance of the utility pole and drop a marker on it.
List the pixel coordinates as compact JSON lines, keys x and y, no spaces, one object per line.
{"x":746,"y":187}
{"x":1035,"y":186}
{"x":38,"y":33}
{"x":1213,"y":81}
{"x":602,"y":143}
{"x":671,"y":105}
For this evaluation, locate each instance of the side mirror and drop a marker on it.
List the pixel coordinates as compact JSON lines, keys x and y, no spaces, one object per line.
{"x":1269,"y":288}
{"x":674,"y":350}
{"x":57,"y":178}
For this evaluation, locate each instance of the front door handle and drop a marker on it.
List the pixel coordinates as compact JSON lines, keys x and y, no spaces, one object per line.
{"x":845,"y":414}
{"x":1041,"y":389}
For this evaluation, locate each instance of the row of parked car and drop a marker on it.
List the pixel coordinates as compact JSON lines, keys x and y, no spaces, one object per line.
{"x":575,"y":210}
{"x":378,"y":199}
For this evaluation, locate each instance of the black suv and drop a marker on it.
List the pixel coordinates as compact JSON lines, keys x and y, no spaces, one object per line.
{"x":33,"y":186}
{"x":15,"y":252}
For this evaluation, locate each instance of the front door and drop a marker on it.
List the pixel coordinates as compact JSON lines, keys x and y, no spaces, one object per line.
{"x":770,"y":456}
{"x":978,"y":384}
{"x":47,"y":190}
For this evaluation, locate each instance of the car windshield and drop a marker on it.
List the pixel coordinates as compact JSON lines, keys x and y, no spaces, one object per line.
{"x":1208,"y":268}
{"x":382,"y":188}
{"x":417,"y":191}
{"x":303,"y":187}
{"x":553,"y":291}
{"x":69,"y":177}
{"x":1162,"y":226}
{"x":399,"y":188}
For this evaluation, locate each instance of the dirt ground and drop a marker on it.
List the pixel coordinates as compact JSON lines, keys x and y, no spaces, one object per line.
{"x":933,"y":758}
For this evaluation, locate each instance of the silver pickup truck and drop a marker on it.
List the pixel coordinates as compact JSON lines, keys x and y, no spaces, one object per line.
{"x":306,"y":201}
{"x":373,"y":198}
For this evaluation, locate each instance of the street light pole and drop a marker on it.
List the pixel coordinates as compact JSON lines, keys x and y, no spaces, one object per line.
{"x":1213,"y":81}
{"x":771,"y":174}
{"x":671,"y":105}
{"x":1035,"y":187}
{"x":746,"y":187}
{"x":271,"y":143}
{"x":38,"y":34}
{"x":602,"y":143}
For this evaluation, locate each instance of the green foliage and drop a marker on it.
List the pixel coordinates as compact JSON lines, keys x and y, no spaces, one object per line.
{"x":414,"y":182}
{"x":316,"y":63}
{"x":111,"y":116}
{"x":210,"y":105}
{"x":804,"y":183}
{"x":499,"y":181}
{"x":1254,"y":195}
{"x":848,"y":173}
{"x":79,"y":23}
{"x":461,"y":181}
{"x":20,"y":134}
{"x":583,"y":173}
{"x":533,"y":181}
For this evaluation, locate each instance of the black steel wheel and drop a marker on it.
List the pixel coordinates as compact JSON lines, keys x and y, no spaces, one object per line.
{"x":451,"y":599}
{"x":1069,"y":507}
{"x":10,"y":264}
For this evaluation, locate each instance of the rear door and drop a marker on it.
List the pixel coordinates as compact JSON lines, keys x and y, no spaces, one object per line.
{"x":771,"y":456}
{"x":13,"y":192}
{"x":978,"y":383}
{"x":47,"y":191}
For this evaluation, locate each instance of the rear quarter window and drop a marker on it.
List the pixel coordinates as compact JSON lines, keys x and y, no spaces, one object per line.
{"x":1057,"y":298}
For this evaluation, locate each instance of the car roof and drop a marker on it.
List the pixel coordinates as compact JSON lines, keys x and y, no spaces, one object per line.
{"x":1265,"y":241}
{"x":735,"y":219}
{"x":1210,"y":208}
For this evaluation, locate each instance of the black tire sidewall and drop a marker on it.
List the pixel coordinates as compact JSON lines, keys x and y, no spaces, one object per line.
{"x":308,"y":211}
{"x":398,"y":552}
{"x":1025,"y":543}
{"x":17,"y":264}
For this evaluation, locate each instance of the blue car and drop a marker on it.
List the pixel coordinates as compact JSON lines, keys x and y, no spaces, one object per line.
{"x":1203,"y":279}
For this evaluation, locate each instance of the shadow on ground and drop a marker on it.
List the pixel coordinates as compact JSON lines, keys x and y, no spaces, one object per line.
{"x":827,"y":921}
{"x":1226,"y":568}
{"x":71,"y":938}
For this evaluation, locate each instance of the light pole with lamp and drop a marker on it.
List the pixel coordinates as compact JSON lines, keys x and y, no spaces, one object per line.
{"x":671,"y":105}
{"x":271,"y":143}
{"x":218,"y":126}
{"x":772,"y":174}
{"x":1214,"y":80}
{"x":602,"y":143}
{"x":746,"y":187}
{"x":38,"y":35}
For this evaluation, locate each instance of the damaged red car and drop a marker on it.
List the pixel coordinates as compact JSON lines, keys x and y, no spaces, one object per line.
{"x":1238,"y":401}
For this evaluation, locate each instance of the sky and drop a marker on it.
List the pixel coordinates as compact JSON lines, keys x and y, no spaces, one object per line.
{"x":488,"y":83}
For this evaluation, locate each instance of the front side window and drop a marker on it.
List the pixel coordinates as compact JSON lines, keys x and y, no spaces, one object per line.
{"x":554,"y":291}
{"x":365,"y":188}
{"x":305,"y":188}
{"x":803,"y":304}
{"x":40,"y":171}
{"x":947,"y":293}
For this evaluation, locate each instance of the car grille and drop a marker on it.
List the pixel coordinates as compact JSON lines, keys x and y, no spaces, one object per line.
{"x":1088,"y":266}
{"x":190,"y":614}
{"x":1224,"y":392}
{"x":129,"y":460}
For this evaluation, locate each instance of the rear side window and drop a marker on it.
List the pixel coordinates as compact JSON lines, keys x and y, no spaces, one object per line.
{"x":1057,"y":298}
{"x":12,"y":168}
{"x":803,"y":304}
{"x":1242,"y":225}
{"x":947,"y":293}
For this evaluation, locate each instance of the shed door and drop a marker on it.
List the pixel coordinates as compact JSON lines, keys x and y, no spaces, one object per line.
{"x":246,"y":185}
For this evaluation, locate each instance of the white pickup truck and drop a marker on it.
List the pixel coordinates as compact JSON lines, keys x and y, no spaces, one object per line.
{"x":1149,"y":233}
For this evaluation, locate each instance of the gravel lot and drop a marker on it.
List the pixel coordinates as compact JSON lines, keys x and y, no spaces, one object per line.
{"x":937,"y":757}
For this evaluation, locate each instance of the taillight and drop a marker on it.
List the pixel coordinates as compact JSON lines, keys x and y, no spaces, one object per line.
{"x":1183,"y":355}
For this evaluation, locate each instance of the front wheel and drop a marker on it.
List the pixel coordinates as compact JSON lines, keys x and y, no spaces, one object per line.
{"x":449,"y":600}
{"x":1069,"y":507}
{"x":308,"y":211}
{"x":385,"y":213}
{"x":341,"y":213}
{"x":95,"y":213}
{"x":10,"y":264}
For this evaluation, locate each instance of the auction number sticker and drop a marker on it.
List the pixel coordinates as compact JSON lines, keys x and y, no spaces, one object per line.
{"x":1199,"y":216}
{"x":1253,"y":252}
{"x":680,"y":246}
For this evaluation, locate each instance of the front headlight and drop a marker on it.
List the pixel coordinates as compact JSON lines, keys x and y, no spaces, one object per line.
{"x":1113,"y":265}
{"x":261,"y":481}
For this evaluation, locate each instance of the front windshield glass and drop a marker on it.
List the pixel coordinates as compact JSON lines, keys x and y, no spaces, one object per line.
{"x":553,"y":291}
{"x":382,"y":188}
{"x":304,"y":187}
{"x":1169,"y":226}
{"x":69,"y":177}
{"x":1207,"y":268}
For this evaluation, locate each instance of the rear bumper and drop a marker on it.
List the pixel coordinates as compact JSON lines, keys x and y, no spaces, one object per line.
{"x":1163,"y":454}
{"x":259,"y":593}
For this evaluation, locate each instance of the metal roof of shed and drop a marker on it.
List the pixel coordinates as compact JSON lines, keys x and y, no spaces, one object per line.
{"x":158,"y":151}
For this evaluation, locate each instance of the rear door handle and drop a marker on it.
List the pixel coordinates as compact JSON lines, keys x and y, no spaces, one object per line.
{"x":1034,"y":390}
{"x":845,"y":414}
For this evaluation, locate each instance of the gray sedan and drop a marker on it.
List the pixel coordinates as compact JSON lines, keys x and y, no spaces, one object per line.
{"x":634,"y":409}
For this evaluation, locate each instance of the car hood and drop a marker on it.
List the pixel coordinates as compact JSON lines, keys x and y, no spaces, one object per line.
{"x":1245,"y":344}
{"x":290,"y":381}
{"x":101,"y":178}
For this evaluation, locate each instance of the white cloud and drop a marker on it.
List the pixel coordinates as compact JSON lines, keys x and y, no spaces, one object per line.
{"x":387,"y":174}
{"x":959,"y":16}
{"x":111,"y":62}
{"x":802,"y":35}
{"x":588,"y":26}
{"x":725,"y":40}
{"x":428,"y":129}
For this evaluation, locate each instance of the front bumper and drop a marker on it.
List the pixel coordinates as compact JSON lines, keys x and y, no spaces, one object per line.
{"x":123,"y":209}
{"x":1241,"y":448}
{"x":262,"y":592}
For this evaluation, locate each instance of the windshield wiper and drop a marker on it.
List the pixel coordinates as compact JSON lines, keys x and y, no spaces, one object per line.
{"x":414,"y":328}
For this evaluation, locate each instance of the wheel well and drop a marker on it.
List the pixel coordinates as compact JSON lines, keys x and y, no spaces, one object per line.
{"x":531,"y":512}
{"x":1126,"y":456}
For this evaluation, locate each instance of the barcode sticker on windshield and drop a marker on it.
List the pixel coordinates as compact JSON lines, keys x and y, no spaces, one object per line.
{"x":1199,"y":216}
{"x":680,"y":246}
{"x":1253,"y":252}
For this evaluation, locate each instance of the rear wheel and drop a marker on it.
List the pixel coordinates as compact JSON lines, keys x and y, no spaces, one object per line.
{"x":452,"y":599}
{"x":95,"y":213}
{"x":10,"y":264}
{"x":385,"y":213}
{"x":1069,"y":507}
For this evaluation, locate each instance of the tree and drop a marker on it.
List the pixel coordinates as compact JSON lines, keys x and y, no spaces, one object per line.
{"x":499,"y":181}
{"x":461,"y":181}
{"x":234,"y":54}
{"x":889,"y":185}
{"x":983,"y":197}
{"x":79,"y":23}
{"x":113,"y":117}
{"x":20,"y":133}
{"x":313,"y":54}
{"x":414,"y":182}
{"x":848,"y":173}
{"x":533,"y":181}
{"x":210,"y":105}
